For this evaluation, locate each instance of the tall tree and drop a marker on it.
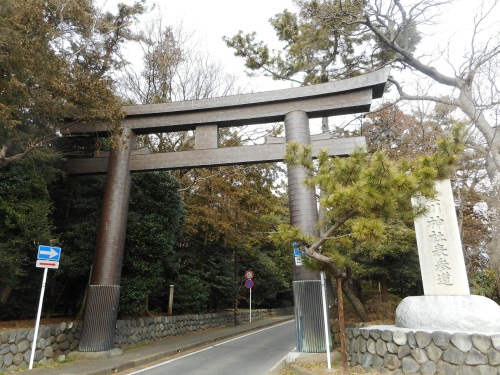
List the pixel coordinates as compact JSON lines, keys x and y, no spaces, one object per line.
{"x":25,"y":224}
{"x":315,"y":50}
{"x":154,"y":224}
{"x":54,"y":56}
{"x":364,"y":194}
{"x":175,"y":68}
{"x":230,"y":211}
{"x":472,"y":87}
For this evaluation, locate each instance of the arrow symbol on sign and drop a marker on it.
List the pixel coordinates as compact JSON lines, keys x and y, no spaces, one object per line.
{"x":51,"y":253}
{"x":47,"y":264}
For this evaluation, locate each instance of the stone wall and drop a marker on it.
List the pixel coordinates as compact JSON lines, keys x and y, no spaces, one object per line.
{"x":391,"y":350}
{"x":56,"y":341}
{"x":130,"y":333}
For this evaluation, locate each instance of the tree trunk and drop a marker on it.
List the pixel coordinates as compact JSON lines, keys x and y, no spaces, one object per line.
{"x":5,"y":293}
{"x":355,"y":302}
{"x":490,"y":133}
{"x":236,"y":289}
{"x":342,"y":326}
{"x":384,"y":289}
{"x":52,"y":306}
{"x":348,"y":289}
{"x":144,"y":310}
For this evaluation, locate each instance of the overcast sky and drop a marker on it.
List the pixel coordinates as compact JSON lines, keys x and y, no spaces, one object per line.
{"x":212,"y":19}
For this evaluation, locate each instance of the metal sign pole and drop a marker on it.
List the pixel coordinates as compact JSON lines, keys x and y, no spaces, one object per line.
{"x":250,"y":305}
{"x":249,"y":284}
{"x":37,"y":324}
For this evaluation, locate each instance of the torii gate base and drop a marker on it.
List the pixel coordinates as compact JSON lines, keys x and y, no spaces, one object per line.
{"x":295,"y":106}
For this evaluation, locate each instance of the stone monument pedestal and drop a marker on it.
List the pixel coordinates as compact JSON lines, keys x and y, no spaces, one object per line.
{"x":457,"y":334}
{"x":457,"y":313}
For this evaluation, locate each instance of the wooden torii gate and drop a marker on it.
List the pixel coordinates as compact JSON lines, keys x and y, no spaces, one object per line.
{"x":294,"y":106}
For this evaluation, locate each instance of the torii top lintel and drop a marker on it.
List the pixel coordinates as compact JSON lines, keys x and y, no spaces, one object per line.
{"x":349,"y":96}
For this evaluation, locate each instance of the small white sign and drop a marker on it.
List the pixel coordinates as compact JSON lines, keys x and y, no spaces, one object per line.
{"x":298,"y":261}
{"x":40,"y":263}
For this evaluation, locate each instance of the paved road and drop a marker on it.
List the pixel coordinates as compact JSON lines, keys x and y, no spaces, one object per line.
{"x":255,"y":353}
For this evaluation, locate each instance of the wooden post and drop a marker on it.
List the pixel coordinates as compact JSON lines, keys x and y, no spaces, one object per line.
{"x":342,"y":326}
{"x":170,"y":300}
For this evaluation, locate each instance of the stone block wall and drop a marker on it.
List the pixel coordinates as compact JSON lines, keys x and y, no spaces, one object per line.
{"x":130,"y":333}
{"x":56,"y":341}
{"x":403,"y":351}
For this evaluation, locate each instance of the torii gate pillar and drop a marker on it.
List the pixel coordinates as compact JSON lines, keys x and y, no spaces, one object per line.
{"x":302,"y":200}
{"x":103,"y":293}
{"x":304,"y":214}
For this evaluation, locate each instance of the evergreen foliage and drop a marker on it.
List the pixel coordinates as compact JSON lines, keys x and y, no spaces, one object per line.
{"x":320,"y":43}
{"x":367,"y":206}
{"x":24,"y":214}
{"x":155,"y":215}
{"x":54,"y":58}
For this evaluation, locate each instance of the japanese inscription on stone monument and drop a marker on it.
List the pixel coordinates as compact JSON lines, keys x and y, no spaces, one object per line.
{"x":439,"y":246}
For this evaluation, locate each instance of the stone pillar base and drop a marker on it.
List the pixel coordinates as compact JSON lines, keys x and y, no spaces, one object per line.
{"x":456,"y":313}
{"x":309,"y":319}
{"x":99,"y":321}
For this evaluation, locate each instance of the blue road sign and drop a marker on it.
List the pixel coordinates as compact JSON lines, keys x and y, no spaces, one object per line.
{"x":296,"y":250}
{"x":49,"y":253}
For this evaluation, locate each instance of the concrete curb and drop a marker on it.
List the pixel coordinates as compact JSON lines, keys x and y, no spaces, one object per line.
{"x":116,"y":352}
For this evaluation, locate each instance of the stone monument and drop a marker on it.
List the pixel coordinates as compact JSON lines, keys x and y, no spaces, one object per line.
{"x":445,"y":331}
{"x":439,"y":246}
{"x":447,"y":303}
